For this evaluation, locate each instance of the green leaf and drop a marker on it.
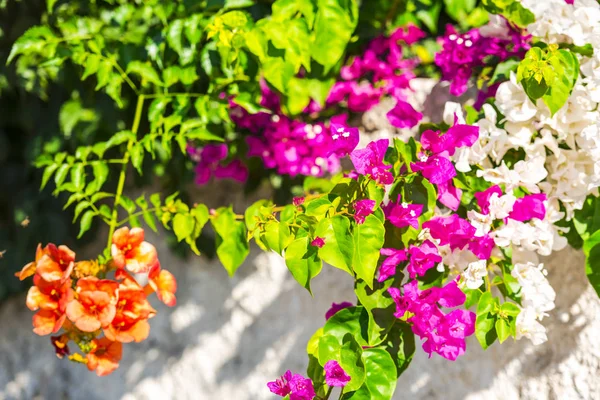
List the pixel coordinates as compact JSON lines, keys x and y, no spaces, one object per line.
{"x":119,"y":138}
{"x":145,"y":71}
{"x":459,"y":9}
{"x":350,"y":360}
{"x":257,"y":212}
{"x":32,"y":41}
{"x":137,"y":156}
{"x":339,"y":248}
{"x":61,"y":174}
{"x":101,"y":171}
{"x":231,"y":242}
{"x":380,"y":380}
{"x":328,"y":348}
{"x":353,"y":320}
{"x":368,"y":240}
{"x":278,"y":73}
{"x":334,"y":24}
{"x":183,"y":226}
{"x":48,"y":172}
{"x":502,"y":329}
{"x":303,"y":261}
{"x":317,"y":207}
{"x":567,"y":71}
{"x":400,"y":343}
{"x":591,"y":249}
{"x":78,"y":176}
{"x":485,"y":323}
{"x":86,"y":222}
{"x":174,"y":38}
{"x":503,"y":70}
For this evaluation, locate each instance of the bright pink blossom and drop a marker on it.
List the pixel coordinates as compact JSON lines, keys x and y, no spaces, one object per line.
{"x":403,"y":115}
{"x":345,"y":139}
{"x":389,"y":265}
{"x":422,"y":258}
{"x":318,"y":242}
{"x":443,"y":333}
{"x":436,"y":169}
{"x":483,"y":198}
{"x":369,"y":161}
{"x":335,"y":376}
{"x":403,"y":214}
{"x":529,"y":207}
{"x":362,"y":209}
{"x":449,"y":195}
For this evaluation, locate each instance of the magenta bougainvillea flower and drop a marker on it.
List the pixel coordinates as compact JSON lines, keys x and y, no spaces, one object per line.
{"x":390,"y":264}
{"x":403,"y":115}
{"x":422,"y":258}
{"x":369,"y":161}
{"x":362,"y":209}
{"x":335,"y":376}
{"x":335,"y":307}
{"x":459,"y":233}
{"x":483,"y":198}
{"x":318,"y":242}
{"x":461,"y":54}
{"x":436,"y":169}
{"x":449,"y":195}
{"x":301,"y":388}
{"x":298,"y":201}
{"x":529,"y":207}
{"x":345,"y":139}
{"x":281,"y":386}
{"x":296,"y":386}
{"x":402,"y":214}
{"x":209,"y":158}
{"x":443,"y":333}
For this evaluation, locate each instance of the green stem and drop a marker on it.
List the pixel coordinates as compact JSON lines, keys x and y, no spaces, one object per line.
{"x":115,"y":211}
{"x":137,"y":214}
{"x":160,"y":95}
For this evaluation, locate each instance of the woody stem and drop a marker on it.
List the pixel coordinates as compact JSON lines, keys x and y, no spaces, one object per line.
{"x":115,"y":214}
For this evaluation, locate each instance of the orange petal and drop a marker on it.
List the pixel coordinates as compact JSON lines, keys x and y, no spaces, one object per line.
{"x":121,"y":237}
{"x":36,"y":300}
{"x":104,"y":359}
{"x":48,"y":269}
{"x":118,"y":256}
{"x":27,"y":271}
{"x":44,"y":322}
{"x":66,"y":254}
{"x":136,"y":237}
{"x":165,"y":286}
{"x":82,"y":320}
{"x":143,"y":258}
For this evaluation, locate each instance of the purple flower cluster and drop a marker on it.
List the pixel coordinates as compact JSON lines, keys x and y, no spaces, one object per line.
{"x":434,"y":161}
{"x":420,"y":258}
{"x":443,"y":333}
{"x":381,"y":71}
{"x":461,"y":54}
{"x":293,"y":147}
{"x":459,"y":233}
{"x":296,"y":386}
{"x":209,"y":163}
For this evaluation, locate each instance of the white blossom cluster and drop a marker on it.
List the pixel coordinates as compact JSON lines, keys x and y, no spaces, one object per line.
{"x":537,"y":298}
